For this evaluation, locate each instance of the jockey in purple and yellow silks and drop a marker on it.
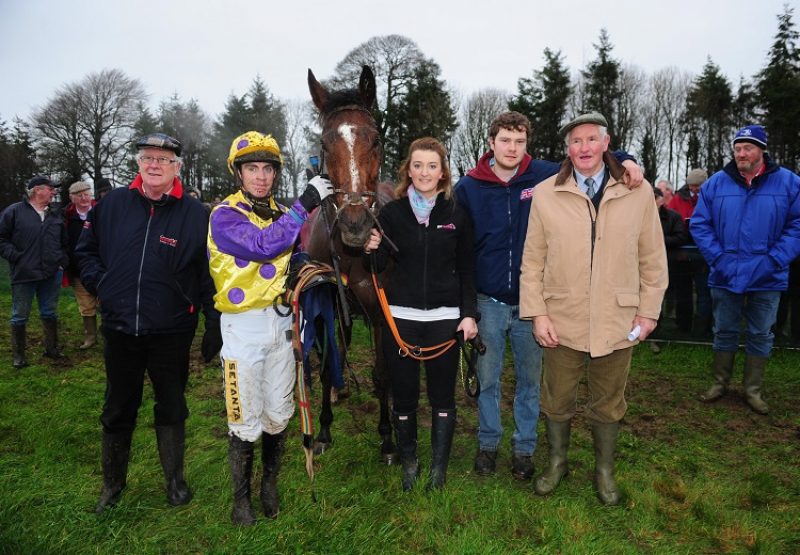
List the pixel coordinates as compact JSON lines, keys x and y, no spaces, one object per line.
{"x":251,"y":239}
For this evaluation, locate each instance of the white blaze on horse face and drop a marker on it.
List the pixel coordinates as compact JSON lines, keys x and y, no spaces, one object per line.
{"x":346,"y":132}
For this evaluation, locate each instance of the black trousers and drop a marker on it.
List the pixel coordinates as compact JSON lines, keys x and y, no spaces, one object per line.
{"x":440,"y":372}
{"x":165,"y":358}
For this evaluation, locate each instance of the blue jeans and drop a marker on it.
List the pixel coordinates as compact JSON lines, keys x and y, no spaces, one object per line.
{"x":498,"y":321}
{"x":758,"y":308}
{"x":46,"y":292}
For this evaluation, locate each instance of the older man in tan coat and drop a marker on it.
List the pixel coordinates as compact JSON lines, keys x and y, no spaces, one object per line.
{"x":594,"y":272}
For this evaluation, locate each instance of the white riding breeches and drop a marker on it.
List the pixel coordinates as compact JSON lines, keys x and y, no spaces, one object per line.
{"x":259,"y":371}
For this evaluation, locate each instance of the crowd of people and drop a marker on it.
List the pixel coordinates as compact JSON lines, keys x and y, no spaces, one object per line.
{"x":567,"y":262}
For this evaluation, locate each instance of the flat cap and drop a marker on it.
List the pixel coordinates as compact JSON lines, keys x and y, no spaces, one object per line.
{"x":79,"y":187}
{"x":38,"y":180}
{"x":595,"y":118}
{"x":159,"y":140}
{"x":697,"y":176}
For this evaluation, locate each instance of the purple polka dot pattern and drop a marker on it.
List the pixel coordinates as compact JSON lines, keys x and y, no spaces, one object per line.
{"x":267,"y":271}
{"x":243,"y":143}
{"x":236,"y":295}
{"x":240,"y":262}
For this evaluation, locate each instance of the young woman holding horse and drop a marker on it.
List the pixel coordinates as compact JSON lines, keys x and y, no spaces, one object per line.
{"x":431,"y":298}
{"x":251,"y":239}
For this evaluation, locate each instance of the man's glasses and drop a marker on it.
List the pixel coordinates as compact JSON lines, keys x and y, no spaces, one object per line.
{"x":160,"y":160}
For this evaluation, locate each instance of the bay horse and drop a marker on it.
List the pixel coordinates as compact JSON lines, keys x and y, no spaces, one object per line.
{"x":350,"y":154}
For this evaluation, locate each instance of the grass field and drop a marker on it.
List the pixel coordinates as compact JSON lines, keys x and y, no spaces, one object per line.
{"x":695,"y":478}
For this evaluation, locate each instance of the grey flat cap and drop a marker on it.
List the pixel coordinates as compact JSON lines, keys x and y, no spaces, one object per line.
{"x":595,"y":118}
{"x":159,"y":140}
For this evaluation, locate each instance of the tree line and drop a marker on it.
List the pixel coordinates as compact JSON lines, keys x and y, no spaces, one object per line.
{"x":672,"y":120}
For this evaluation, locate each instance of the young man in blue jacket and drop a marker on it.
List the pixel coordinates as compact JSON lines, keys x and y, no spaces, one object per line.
{"x":497,"y":194}
{"x":747,"y":227}
{"x":142,"y":252}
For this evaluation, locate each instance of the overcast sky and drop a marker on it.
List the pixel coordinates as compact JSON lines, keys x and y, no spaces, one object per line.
{"x":208,"y":50}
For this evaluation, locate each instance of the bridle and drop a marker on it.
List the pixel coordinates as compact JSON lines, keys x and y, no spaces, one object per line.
{"x":349,"y":198}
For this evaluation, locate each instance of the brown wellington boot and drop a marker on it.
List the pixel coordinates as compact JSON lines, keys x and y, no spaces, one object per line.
{"x":89,"y":332}
{"x":753,"y":376}
{"x":722,"y":370}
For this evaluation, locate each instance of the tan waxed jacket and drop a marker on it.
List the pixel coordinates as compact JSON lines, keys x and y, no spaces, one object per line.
{"x":592,"y":290}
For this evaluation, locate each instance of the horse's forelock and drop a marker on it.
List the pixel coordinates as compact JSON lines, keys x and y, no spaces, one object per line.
{"x":338,"y":99}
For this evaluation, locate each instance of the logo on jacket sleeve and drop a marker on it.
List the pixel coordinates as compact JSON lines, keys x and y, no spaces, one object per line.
{"x":526,"y":194}
{"x":451,"y":227}
{"x":168,"y":241}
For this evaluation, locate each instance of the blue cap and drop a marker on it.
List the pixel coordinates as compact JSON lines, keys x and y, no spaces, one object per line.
{"x":755,"y":134}
{"x":38,"y":180}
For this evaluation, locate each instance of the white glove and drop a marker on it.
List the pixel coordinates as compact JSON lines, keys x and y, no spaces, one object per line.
{"x":318,"y":189}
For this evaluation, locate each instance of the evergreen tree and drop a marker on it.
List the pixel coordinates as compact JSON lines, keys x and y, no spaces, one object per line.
{"x":544,"y":100}
{"x":17,"y":161}
{"x":778,"y":88}
{"x":424,"y":111}
{"x":602,"y":88}
{"x":709,"y":117}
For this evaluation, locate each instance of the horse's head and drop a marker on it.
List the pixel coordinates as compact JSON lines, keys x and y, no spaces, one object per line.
{"x":351,"y":152}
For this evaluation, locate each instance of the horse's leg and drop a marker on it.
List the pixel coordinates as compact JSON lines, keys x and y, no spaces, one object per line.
{"x":380,"y":379}
{"x":324,"y":440}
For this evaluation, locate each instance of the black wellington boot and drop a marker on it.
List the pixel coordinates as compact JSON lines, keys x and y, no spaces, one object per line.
{"x":271,"y":452}
{"x":240,"y":457}
{"x":171,"y":444}
{"x":51,"y":349}
{"x":116,"y":453}
{"x":405,"y":426}
{"x":443,"y":425}
{"x":18,"y":340}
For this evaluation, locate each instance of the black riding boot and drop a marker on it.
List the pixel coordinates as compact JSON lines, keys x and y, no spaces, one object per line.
{"x":18,"y":346}
{"x":116,"y":453}
{"x":51,"y":349}
{"x":171,"y":441}
{"x":442,"y":427}
{"x":240,"y":457}
{"x":271,"y":451}
{"x":405,"y":426}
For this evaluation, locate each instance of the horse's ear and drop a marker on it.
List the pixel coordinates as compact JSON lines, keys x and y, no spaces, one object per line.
{"x":318,"y":93}
{"x":366,"y":86}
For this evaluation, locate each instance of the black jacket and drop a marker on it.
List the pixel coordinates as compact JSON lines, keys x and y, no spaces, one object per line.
{"x":675,"y":233}
{"x":435,"y":264}
{"x":35,"y":249}
{"x":74,"y":226}
{"x":146,"y":261}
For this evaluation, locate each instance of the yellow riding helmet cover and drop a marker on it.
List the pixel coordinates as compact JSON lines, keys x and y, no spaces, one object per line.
{"x":254,"y":142}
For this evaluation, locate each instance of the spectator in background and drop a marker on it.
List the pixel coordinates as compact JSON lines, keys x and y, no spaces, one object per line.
{"x":81,"y":201}
{"x":666,"y":189}
{"x":594,"y":272}
{"x":690,"y":269}
{"x":102,"y":187}
{"x":684,"y":201}
{"x":747,"y":226}
{"x":33,"y":240}
{"x":675,"y":235}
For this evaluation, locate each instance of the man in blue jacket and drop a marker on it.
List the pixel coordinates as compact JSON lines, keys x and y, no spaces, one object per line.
{"x":497,"y":194}
{"x":747,"y":227}
{"x":142,"y":252}
{"x":34,"y":241}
